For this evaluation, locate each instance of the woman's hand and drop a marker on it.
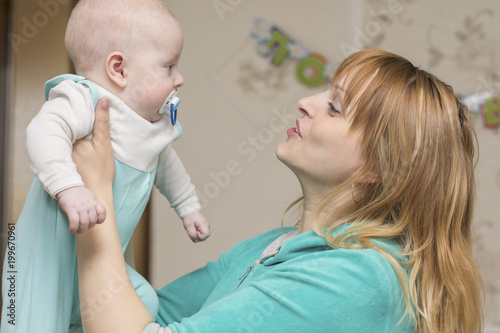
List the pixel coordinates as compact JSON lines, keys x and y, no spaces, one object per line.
{"x":94,"y":159}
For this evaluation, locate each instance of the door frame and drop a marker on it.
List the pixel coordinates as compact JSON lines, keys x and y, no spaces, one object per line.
{"x":5,"y":107}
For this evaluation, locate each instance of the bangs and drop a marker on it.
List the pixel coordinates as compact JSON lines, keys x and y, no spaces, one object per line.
{"x":373,"y":80}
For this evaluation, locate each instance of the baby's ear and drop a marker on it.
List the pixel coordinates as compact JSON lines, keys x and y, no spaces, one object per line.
{"x":115,"y":69}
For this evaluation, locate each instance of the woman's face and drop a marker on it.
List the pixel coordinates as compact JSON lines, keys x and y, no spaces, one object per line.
{"x":321,"y":149}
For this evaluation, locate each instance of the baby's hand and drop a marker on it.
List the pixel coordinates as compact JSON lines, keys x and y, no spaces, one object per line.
{"x":82,"y":207}
{"x":196,"y":225}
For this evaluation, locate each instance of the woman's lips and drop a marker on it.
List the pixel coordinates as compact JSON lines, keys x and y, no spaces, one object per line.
{"x":292,"y":132}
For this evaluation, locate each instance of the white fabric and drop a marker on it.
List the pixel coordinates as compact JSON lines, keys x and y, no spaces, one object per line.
{"x":68,"y":115}
{"x":273,"y":248}
{"x":155,"y":328}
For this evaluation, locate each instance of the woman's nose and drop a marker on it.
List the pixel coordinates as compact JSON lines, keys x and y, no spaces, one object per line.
{"x":304,"y":106}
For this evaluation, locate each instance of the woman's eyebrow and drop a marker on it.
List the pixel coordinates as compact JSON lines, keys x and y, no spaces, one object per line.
{"x":339,"y":88}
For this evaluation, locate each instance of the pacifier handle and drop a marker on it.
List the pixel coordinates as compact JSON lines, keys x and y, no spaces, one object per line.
{"x":169,"y":107}
{"x":173,"y":113}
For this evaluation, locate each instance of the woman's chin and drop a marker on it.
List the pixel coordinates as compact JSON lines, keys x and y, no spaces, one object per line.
{"x":281,"y":151}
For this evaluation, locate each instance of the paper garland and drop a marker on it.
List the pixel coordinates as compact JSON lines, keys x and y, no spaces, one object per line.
{"x":312,"y":68}
{"x":491,"y":112}
{"x":487,"y":104}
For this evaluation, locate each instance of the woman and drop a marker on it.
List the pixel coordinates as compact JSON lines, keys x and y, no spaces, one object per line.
{"x":385,"y":162}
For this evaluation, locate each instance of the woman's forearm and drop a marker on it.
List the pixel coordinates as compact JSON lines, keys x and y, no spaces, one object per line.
{"x":108,"y":300}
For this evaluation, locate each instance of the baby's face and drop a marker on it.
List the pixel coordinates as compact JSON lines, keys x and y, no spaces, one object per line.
{"x":153,"y":69}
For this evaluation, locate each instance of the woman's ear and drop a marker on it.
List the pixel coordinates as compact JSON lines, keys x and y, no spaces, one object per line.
{"x":115,"y":69}
{"x":370,"y":177}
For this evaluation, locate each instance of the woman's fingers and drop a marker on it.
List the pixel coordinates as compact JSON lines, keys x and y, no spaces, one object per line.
{"x":101,"y":135}
{"x":94,"y":159}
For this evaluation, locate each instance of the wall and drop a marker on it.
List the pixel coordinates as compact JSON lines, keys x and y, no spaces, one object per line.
{"x":38,"y":55}
{"x":226,"y":106}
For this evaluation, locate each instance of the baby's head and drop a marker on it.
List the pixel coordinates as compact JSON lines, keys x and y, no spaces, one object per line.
{"x":129,"y":47}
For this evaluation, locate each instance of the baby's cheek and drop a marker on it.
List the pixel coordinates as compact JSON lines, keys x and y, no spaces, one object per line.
{"x":153,"y":101}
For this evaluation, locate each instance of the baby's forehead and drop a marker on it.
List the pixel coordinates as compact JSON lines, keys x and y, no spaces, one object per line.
{"x":155,"y":23}
{"x":151,"y":28}
{"x":136,"y":17}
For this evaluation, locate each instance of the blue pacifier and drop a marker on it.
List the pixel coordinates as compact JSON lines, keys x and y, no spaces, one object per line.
{"x":169,"y":107}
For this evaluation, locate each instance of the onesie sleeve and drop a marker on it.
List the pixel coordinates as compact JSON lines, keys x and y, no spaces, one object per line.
{"x":175,"y":184}
{"x":66,"y":117}
{"x":344,"y":291}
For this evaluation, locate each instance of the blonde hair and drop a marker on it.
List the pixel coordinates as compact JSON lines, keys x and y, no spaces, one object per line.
{"x":99,"y":27}
{"x":418,"y":144}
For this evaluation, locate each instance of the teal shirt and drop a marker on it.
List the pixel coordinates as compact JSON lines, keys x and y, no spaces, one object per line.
{"x":306,"y":287}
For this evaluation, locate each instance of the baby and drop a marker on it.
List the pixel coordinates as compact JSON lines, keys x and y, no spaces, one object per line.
{"x":127,"y":51}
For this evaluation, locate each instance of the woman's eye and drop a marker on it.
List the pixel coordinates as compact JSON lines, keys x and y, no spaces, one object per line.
{"x":332,"y":108}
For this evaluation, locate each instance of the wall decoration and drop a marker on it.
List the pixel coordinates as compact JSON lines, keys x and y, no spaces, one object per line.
{"x":475,"y":101}
{"x":487,"y":104}
{"x":491,"y":112}
{"x":312,"y":69}
{"x":271,"y":71}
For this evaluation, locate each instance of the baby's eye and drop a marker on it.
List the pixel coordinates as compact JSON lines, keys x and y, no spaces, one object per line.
{"x":169,"y":67}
